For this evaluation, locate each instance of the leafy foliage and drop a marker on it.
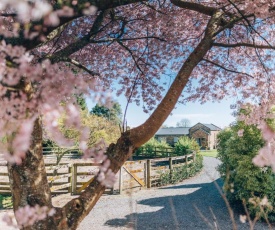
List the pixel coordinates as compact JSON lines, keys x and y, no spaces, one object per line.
{"x":5,"y":201}
{"x":184,"y":145}
{"x":113,"y":114}
{"x":181,"y":173}
{"x":81,"y":102}
{"x":98,"y":127}
{"x":151,"y":148}
{"x":244,"y":182}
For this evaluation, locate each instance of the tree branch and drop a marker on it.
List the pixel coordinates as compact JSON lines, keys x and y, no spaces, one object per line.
{"x":207,"y":10}
{"x":80,"y":66}
{"x":226,"y":69}
{"x":240,"y":44}
{"x":247,"y":21}
{"x":78,"y":45}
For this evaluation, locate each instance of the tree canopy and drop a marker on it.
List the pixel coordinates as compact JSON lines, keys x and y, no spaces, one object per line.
{"x":113,"y":114}
{"x":149,"y":51}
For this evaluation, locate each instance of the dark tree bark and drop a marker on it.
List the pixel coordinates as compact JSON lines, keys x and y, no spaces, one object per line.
{"x":28,"y":181}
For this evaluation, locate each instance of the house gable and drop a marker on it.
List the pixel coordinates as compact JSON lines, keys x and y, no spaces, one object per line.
{"x":199,"y":126}
{"x":204,"y":134}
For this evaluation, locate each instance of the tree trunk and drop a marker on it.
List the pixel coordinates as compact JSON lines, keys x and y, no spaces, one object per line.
{"x":28,"y":181}
{"x":76,"y":210}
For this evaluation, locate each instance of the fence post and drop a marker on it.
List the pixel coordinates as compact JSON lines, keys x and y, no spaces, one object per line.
{"x":186,"y":160}
{"x":120,"y":180}
{"x":171,"y":166}
{"x":70,"y":179}
{"x":148,"y":173}
{"x":74,"y":179}
{"x":194,"y":156}
{"x":145,"y":179}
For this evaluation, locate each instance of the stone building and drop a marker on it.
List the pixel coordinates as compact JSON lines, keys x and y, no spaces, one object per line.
{"x":204,"y":134}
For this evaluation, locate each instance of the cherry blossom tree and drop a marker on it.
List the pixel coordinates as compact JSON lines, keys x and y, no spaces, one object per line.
{"x":53,"y":50}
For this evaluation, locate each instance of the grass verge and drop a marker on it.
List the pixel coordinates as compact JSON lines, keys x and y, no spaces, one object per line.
{"x":209,"y":153}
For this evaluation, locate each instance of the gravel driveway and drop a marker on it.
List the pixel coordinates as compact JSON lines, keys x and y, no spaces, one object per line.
{"x":170,"y":207}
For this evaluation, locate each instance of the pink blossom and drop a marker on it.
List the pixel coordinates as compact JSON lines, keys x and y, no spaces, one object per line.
{"x":267,"y":132}
{"x":51,"y":19}
{"x":27,"y":215}
{"x":266,"y":156}
{"x":90,"y":10}
{"x":107,"y":179}
{"x":240,"y":132}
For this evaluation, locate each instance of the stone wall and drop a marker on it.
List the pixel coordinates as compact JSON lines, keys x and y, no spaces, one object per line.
{"x":202,"y":137}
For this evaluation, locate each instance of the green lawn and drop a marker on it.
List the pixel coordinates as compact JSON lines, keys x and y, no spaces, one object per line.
{"x":209,"y":153}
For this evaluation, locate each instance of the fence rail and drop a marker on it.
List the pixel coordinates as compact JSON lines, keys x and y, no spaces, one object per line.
{"x":156,"y":152}
{"x":75,"y":177}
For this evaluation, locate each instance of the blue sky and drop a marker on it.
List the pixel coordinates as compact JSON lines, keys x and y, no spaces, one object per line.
{"x":218,"y":113}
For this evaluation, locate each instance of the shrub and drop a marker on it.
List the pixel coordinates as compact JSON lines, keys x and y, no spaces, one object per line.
{"x":243,"y":181}
{"x":5,"y":201}
{"x":149,"y":148}
{"x":180,"y":173}
{"x":184,"y":144}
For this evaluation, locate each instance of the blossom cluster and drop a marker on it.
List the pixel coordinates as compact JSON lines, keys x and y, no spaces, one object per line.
{"x":25,"y":10}
{"x":266,"y":155}
{"x":44,"y":91}
{"x":27,"y":215}
{"x":261,"y":8}
{"x":105,"y":176}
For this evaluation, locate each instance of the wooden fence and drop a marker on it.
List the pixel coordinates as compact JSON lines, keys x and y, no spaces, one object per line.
{"x":156,"y":152}
{"x":75,"y":177}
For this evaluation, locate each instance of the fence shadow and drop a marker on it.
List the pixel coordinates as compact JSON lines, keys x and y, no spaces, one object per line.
{"x":178,"y":212}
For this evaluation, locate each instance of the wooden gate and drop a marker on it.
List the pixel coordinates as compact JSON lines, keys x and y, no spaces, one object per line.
{"x":132,"y":175}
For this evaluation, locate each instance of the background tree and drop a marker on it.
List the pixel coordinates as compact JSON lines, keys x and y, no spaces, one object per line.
{"x":98,"y":128}
{"x":81,"y":102}
{"x":113,"y":114}
{"x":184,"y":123}
{"x":51,"y":52}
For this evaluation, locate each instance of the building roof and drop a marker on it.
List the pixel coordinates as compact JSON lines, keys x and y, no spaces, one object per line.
{"x":212,"y":127}
{"x":173,"y":131}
